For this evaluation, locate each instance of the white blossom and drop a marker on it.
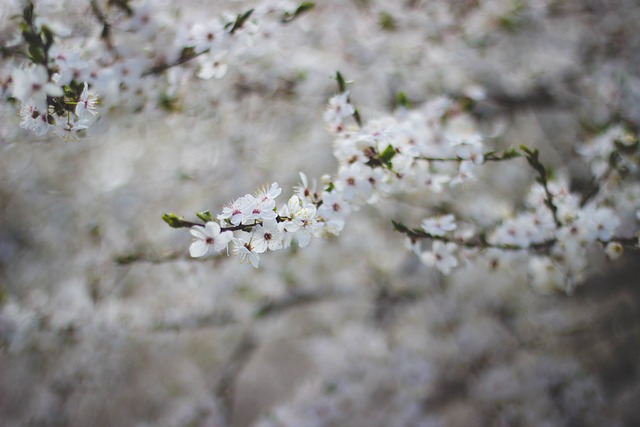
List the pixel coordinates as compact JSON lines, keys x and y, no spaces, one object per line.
{"x":442,"y":256}
{"x":440,"y":225}
{"x":209,"y":239}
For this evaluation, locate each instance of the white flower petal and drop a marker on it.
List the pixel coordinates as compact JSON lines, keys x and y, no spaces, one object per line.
{"x":212,"y":228}
{"x":198,"y":249}
{"x":198,"y":232}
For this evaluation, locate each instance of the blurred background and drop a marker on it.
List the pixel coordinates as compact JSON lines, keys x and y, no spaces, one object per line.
{"x":105,"y":321}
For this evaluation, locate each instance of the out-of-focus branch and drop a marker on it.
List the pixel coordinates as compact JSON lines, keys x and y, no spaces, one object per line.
{"x":224,"y":389}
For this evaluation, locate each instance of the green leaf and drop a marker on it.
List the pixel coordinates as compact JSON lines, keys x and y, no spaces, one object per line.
{"x":387,"y":154}
{"x":402,"y":100}
{"x":400,"y":227}
{"x":330,"y":187}
{"x":511,"y":154}
{"x":356,"y":116}
{"x":28,"y":13}
{"x":342,"y":85}
{"x":205,"y":216}
{"x":187,"y":53}
{"x":48,"y":37}
{"x":36,"y":54}
{"x":387,"y":22}
{"x":169,"y":103}
{"x":173,"y":220}
{"x":126,"y":259}
{"x":240,"y":21}
{"x":30,"y":37}
{"x":106,"y":31}
{"x":525,"y":149}
{"x":302,"y":8}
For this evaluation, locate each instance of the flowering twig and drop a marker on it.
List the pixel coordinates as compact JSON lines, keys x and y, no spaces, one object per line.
{"x":105,"y":34}
{"x":342,"y":88}
{"x":479,"y":242}
{"x":492,"y":156}
{"x":141,"y":257}
{"x":532,"y":157}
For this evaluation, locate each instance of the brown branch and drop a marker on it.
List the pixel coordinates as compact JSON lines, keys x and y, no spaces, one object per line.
{"x":226,"y":385}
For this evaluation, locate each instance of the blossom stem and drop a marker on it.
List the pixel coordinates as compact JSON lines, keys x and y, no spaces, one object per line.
{"x":186,"y":56}
{"x":488,"y":157}
{"x":479,"y":243}
{"x":532,"y":157}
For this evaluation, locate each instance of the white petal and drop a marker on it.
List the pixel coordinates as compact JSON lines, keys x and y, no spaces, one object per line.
{"x":254,"y":259}
{"x":222,"y":240}
{"x":212,"y":228}
{"x":53,"y":90}
{"x":198,"y":249}
{"x":259,"y":246}
{"x":198,"y":232}
{"x":303,"y":239}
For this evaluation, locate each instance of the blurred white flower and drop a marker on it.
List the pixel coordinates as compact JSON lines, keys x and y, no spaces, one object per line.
{"x":32,"y":85}
{"x":442,"y":256}
{"x":338,"y":109}
{"x":614,"y":250}
{"x":212,"y":66}
{"x":438,"y":226}
{"x":31,"y":119}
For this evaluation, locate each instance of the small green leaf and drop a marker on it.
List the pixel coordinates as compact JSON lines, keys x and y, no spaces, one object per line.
{"x":387,"y":154}
{"x":511,"y":154}
{"x":169,"y":103}
{"x":330,"y":187}
{"x":187,"y":53}
{"x":30,"y":37}
{"x":240,"y":21}
{"x":106,"y":31}
{"x":402,"y":100}
{"x":36,"y":54}
{"x":524,"y":149}
{"x":173,"y":220}
{"x":330,"y":388}
{"x":400,"y":227}
{"x":126,"y":259}
{"x":302,"y":8}
{"x":342,"y":85}
{"x":28,"y":13}
{"x":48,"y":37}
{"x":387,"y":22}
{"x":467,"y":104}
{"x":356,"y":116}
{"x":205,"y":216}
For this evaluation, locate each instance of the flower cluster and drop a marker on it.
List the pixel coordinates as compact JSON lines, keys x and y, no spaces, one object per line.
{"x":254,"y":225}
{"x":430,"y":150}
{"x":49,"y":97}
{"x":128,"y":53}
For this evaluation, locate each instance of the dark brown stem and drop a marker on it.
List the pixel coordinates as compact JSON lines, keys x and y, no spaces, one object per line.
{"x":480,"y":242}
{"x":184,"y":58}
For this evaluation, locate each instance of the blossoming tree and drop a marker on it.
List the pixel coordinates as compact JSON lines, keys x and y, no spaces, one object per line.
{"x":407,"y":256}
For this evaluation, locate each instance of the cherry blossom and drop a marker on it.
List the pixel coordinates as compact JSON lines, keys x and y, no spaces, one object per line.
{"x":442,"y":256}
{"x":438,"y":226}
{"x":209,"y":239}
